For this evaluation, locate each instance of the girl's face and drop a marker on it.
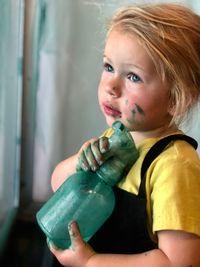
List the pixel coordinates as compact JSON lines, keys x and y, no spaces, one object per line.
{"x":130,"y":88}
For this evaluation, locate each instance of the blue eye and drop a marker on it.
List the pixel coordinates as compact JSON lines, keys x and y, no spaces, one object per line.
{"x":134,"y":77}
{"x":108,"y":67}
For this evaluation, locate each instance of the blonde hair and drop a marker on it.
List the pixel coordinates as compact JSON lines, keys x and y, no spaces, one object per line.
{"x":170,"y":34}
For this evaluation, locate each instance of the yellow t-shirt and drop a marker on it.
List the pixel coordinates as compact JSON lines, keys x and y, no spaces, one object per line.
{"x":172,"y":186}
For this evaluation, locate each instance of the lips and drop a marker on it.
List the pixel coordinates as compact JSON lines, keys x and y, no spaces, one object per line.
{"x":111,"y":111}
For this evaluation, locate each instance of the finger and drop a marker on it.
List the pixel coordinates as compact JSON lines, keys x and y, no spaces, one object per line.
{"x":75,"y":235}
{"x":82,"y":162}
{"x":52,"y":247}
{"x":96,"y":152}
{"x":91,"y":158}
{"x":103,"y":144}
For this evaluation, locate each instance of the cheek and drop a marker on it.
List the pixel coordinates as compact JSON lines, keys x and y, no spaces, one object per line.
{"x":133,"y":108}
{"x":100,"y":91}
{"x":101,"y":86}
{"x":128,"y":108}
{"x":134,"y":112}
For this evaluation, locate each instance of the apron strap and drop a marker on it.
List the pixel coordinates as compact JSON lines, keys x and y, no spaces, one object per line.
{"x":155,"y":151}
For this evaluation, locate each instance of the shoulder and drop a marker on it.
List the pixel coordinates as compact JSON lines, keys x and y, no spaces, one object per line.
{"x":177,"y":152}
{"x":178,"y":162}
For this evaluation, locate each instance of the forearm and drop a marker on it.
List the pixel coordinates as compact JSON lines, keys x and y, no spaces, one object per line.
{"x":176,"y":249}
{"x":63,"y":170}
{"x":153,"y":258}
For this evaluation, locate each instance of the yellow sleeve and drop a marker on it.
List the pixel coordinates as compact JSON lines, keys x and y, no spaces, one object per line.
{"x":175,"y":196}
{"x":108,"y":132}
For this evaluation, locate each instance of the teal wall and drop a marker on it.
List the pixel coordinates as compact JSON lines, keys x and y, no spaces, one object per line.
{"x":11,"y":58}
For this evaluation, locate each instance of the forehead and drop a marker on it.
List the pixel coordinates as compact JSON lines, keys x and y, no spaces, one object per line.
{"x":128,"y":48}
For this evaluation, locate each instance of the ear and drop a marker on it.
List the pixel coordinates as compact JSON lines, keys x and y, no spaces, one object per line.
{"x":182,"y":109}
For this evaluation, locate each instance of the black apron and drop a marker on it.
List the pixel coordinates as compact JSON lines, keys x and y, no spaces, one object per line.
{"x":125,"y":231}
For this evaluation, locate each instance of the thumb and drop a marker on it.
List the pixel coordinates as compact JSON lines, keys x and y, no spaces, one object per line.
{"x":75,"y":236}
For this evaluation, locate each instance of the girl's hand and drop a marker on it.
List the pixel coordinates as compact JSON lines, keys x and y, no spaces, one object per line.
{"x":78,"y":254}
{"x":91,"y":154}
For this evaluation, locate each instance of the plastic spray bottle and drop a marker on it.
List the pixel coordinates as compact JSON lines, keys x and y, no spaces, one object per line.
{"x":87,"y":197}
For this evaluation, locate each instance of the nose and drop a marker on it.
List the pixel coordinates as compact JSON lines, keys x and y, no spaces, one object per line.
{"x":113,"y":87}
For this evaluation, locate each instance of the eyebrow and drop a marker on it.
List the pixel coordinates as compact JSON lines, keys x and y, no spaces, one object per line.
{"x":126,"y":64}
{"x":136,"y":66}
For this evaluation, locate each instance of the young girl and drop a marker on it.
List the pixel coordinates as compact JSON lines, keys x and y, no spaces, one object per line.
{"x":150,"y":82}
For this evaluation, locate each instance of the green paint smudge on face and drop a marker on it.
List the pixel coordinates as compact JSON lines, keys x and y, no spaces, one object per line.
{"x":132,"y":118}
{"x":140,"y":110}
{"x":133,"y":112}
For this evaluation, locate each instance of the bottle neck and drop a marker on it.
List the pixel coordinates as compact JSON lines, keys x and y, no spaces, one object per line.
{"x":111,"y":171}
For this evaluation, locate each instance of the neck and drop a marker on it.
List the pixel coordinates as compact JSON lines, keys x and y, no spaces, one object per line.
{"x":155,"y":133}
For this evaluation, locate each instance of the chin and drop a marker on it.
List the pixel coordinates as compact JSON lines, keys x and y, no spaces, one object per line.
{"x":110,"y":120}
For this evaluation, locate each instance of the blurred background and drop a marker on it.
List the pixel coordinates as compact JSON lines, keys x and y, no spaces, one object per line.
{"x":51,"y":60}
